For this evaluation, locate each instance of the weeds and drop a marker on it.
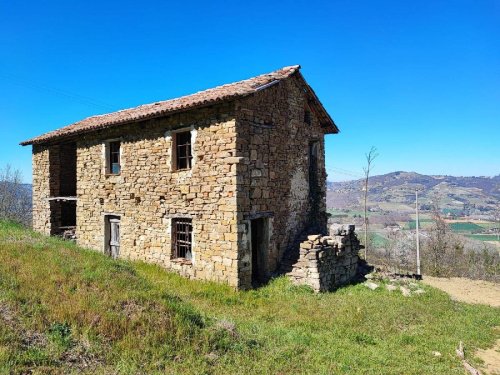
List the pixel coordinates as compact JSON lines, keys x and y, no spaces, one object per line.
{"x":68,"y":310}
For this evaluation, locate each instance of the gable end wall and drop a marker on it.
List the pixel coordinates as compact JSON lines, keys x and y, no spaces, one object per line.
{"x":273,"y":180}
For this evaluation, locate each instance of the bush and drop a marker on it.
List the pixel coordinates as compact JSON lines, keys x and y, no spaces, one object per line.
{"x":15,"y":198}
{"x":442,"y":253}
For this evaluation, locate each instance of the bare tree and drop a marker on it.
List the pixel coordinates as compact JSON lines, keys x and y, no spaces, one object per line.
{"x":400,"y":249}
{"x":15,"y":199}
{"x":439,"y":238}
{"x":370,"y":157}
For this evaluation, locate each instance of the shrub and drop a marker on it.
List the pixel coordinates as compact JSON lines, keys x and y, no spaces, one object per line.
{"x":15,"y":198}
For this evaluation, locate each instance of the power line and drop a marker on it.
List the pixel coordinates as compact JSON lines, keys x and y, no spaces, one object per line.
{"x":345,"y":172}
{"x":62,"y":93}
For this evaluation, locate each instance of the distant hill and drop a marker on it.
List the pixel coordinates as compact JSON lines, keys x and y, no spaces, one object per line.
{"x":396,"y":191}
{"x":27,"y":188}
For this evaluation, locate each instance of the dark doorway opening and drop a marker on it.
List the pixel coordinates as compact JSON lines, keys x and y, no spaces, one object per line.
{"x":62,"y":183}
{"x":68,"y":213}
{"x":63,"y":170}
{"x":62,"y":215}
{"x":260,"y":250}
{"x":68,"y":170}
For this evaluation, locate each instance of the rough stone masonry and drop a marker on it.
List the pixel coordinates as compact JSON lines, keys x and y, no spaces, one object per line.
{"x":327,"y":262}
{"x":218,"y":185}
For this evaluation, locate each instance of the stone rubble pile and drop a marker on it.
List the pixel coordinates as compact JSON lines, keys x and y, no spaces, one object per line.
{"x":327,"y":262}
{"x":393,"y":284}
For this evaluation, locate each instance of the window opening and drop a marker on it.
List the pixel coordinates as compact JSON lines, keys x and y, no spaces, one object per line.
{"x":182,"y":238}
{"x":307,"y":116}
{"x":183,"y":150}
{"x":114,"y":157}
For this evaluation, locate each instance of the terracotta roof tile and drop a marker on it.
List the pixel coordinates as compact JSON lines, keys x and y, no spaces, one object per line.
{"x":199,"y":99}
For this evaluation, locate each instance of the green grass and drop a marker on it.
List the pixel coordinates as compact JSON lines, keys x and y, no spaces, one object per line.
{"x":465,"y":227}
{"x":483,"y":237}
{"x":349,"y":213}
{"x":423,"y":223}
{"x":62,"y":306}
{"x":488,"y":225}
{"x":378,"y":240}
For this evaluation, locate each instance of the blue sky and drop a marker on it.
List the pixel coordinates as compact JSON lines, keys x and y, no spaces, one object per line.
{"x":418,"y":80}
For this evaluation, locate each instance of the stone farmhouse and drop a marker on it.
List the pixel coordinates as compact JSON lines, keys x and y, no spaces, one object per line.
{"x":217,"y":185}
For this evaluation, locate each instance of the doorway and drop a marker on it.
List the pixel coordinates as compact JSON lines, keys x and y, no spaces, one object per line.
{"x":112,"y":236}
{"x":260,"y":249}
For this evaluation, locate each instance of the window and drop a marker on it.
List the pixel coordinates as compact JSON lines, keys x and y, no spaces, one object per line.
{"x":182,"y":230}
{"x":113,"y":157}
{"x":182,"y":150}
{"x":307,"y":116}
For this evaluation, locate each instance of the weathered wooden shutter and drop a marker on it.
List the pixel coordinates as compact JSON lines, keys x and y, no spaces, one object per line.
{"x":114,"y":238}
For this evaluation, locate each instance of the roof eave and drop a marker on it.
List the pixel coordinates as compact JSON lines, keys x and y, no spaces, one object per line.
{"x":47,"y":139}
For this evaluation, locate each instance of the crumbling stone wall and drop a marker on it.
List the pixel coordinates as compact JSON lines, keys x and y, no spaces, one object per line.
{"x":273,"y":177}
{"x":327,"y":262}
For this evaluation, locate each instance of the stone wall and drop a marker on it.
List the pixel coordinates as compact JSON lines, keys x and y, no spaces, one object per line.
{"x":327,"y":262}
{"x":274,"y":178}
{"x":41,"y":189}
{"x":149,"y":193}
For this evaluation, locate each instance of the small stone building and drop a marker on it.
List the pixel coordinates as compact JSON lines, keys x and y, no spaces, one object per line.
{"x":217,"y":185}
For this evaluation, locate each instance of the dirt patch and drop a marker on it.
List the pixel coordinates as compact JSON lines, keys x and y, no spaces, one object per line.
{"x":474,"y":291}
{"x":6,"y":314}
{"x":467,"y":290}
{"x":491,"y":358}
{"x":496,"y":243}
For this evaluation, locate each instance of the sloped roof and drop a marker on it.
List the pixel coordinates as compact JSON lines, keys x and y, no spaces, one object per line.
{"x":200,"y":99}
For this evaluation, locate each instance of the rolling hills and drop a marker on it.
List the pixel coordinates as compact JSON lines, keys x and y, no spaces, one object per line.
{"x":471,"y":196}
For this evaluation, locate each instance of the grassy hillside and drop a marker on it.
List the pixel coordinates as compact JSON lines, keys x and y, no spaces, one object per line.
{"x":64,"y":309}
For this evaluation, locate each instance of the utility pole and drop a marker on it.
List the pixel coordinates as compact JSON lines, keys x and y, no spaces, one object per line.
{"x":416,"y":227}
{"x":497,"y":216}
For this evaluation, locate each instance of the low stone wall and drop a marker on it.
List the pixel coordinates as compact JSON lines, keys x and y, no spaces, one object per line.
{"x":327,"y":262}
